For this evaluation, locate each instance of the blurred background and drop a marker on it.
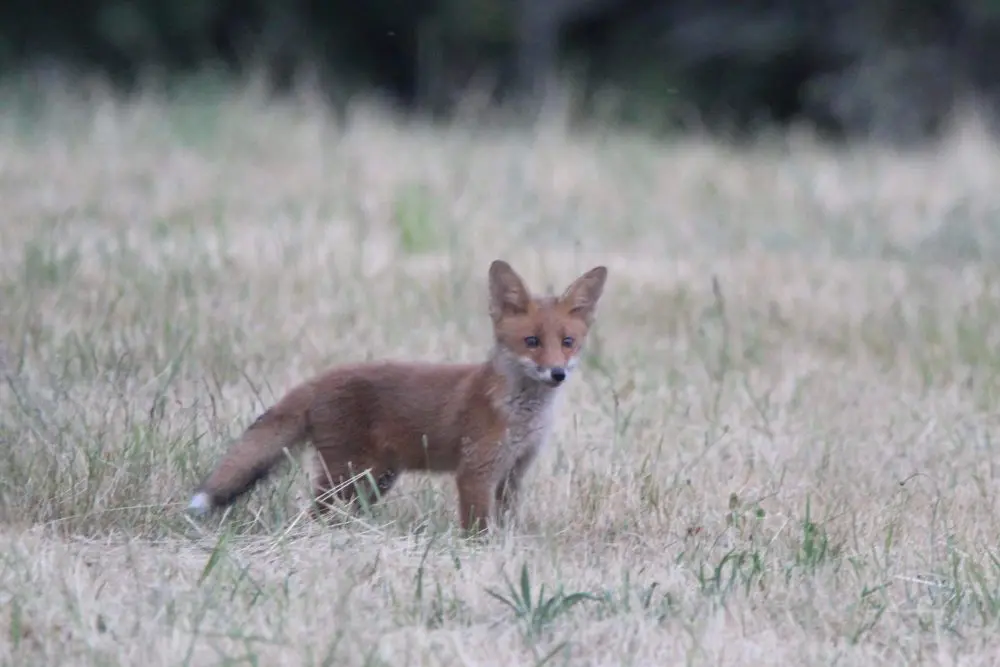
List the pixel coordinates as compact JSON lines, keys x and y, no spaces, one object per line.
{"x":885,"y":69}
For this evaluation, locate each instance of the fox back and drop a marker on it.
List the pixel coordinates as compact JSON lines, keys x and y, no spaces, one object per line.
{"x":485,"y":422}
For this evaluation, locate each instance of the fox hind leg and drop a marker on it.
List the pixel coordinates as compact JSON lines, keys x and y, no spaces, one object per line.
{"x":356,"y":484}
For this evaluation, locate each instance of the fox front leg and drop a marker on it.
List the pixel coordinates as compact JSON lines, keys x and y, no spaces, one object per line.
{"x":475,"y":501}
{"x":508,"y":491}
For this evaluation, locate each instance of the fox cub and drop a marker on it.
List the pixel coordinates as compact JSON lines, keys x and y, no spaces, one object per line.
{"x":483,"y":422}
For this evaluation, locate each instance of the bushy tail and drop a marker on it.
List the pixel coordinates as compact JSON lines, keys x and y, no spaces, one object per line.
{"x":255,"y":454}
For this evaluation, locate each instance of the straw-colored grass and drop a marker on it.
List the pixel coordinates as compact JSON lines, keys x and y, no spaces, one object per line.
{"x":781,"y":450}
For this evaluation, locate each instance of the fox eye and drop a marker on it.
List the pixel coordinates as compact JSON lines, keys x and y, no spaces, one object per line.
{"x":531,"y":341}
{"x":568,"y":341}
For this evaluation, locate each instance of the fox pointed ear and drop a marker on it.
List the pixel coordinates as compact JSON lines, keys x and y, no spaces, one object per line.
{"x":582,"y":296}
{"x":508,"y":295}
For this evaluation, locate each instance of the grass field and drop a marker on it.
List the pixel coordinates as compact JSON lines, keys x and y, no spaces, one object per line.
{"x":781,"y":450}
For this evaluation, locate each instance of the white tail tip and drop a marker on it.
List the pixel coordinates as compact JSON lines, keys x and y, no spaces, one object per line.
{"x":200,"y":504}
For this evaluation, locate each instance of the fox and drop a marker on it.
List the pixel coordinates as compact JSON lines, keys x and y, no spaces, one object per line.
{"x":484,"y":423}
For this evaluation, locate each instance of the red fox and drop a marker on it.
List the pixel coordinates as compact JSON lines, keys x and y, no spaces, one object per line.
{"x":483,"y":422}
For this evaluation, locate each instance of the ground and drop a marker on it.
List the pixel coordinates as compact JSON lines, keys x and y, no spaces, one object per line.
{"x":780,"y":449}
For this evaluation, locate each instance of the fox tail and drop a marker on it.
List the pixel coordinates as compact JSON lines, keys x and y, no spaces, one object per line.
{"x":259,"y":449}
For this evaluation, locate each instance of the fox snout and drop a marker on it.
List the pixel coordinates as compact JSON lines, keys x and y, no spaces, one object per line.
{"x":553,"y":375}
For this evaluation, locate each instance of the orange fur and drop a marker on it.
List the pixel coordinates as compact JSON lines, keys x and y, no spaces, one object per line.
{"x":484,"y":422}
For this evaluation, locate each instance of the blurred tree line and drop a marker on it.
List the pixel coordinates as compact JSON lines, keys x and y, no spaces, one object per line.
{"x":891,"y":68}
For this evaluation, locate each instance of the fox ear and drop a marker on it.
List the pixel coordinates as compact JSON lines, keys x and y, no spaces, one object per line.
{"x":508,"y":295}
{"x":581,"y":297}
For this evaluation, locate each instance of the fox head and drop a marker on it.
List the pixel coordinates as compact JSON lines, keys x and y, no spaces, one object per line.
{"x":543,"y":336}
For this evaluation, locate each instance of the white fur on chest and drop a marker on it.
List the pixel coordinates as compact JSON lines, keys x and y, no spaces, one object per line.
{"x":530,"y":416}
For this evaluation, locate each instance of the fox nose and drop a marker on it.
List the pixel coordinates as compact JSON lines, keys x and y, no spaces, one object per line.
{"x":557,"y":374}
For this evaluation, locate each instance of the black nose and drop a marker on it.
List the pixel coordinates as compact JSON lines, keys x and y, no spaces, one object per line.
{"x":558,"y":374}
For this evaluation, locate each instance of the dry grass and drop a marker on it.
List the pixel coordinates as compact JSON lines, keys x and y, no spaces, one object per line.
{"x":795,"y":468}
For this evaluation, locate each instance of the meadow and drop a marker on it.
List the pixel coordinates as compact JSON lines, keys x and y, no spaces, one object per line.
{"x":781,"y":449}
